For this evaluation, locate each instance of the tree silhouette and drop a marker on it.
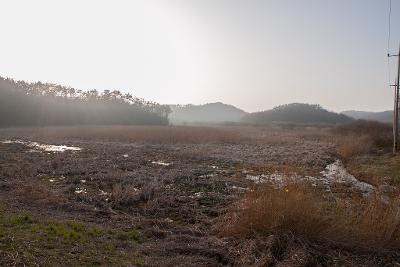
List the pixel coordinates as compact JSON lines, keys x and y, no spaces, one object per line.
{"x":43,"y":104}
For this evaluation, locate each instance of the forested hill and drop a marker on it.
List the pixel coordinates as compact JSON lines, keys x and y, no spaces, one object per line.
{"x":208,"y":113}
{"x":296,"y":113}
{"x":44,"y":104}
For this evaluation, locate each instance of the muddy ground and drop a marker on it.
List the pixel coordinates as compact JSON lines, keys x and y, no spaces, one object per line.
{"x":171,"y":195}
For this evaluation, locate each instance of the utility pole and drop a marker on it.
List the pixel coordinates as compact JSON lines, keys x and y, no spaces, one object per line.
{"x":396,"y":105}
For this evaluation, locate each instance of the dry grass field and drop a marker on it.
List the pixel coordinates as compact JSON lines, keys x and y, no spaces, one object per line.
{"x":197,"y":196}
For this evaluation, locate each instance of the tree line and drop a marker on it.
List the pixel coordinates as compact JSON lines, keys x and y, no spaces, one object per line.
{"x":47,"y":104}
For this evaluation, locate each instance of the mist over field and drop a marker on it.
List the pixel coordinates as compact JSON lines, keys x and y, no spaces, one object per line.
{"x":199,"y":133}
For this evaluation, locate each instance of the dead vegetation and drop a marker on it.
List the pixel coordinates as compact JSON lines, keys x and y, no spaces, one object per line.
{"x":300,"y":216}
{"x":366,"y":149}
{"x":362,"y":137}
{"x":171,"y":134}
{"x":129,"y":194}
{"x":34,"y":192}
{"x":116,"y":181}
{"x":138,"y":134}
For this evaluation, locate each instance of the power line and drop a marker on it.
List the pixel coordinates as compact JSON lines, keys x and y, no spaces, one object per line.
{"x":389,"y":25}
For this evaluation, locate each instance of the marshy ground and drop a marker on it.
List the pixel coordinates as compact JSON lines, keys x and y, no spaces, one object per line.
{"x":155,"y":196}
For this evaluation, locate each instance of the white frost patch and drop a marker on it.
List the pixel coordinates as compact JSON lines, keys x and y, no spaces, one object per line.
{"x":55,"y":179}
{"x":197,"y":195}
{"x":255,"y":178}
{"x":336,"y":172}
{"x":168,"y":186}
{"x":43,"y":147}
{"x":208,"y":175}
{"x":239,"y":188}
{"x":80,"y":190}
{"x":162,"y":163}
{"x":333,"y":173}
{"x":13,"y":142}
{"x":275,"y":178}
{"x":54,"y":148}
{"x":103,"y":193}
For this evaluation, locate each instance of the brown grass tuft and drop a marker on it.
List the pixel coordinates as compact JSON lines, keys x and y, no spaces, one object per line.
{"x":362,"y":137}
{"x":37,"y":192}
{"x":350,"y":146}
{"x":304,"y":214}
{"x":128,"y":195}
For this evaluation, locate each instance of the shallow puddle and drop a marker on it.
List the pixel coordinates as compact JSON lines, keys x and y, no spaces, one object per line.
{"x":35,"y":146}
{"x":162,"y":163}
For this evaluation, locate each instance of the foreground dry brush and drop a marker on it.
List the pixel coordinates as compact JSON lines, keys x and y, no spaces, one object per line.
{"x":366,"y":149}
{"x":301,"y":214}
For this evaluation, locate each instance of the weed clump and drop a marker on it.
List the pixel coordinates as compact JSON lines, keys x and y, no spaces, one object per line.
{"x":125,"y":195}
{"x":56,"y":230}
{"x":131,"y":235}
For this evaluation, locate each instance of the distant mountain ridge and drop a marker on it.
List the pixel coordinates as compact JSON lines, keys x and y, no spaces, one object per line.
{"x":213,"y":113}
{"x":296,"y":113}
{"x":219,"y":113}
{"x":384,"y":116}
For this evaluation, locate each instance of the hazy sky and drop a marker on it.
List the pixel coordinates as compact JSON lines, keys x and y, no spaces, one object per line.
{"x":251,"y":53}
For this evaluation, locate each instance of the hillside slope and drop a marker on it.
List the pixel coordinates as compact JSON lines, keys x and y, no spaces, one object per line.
{"x":296,"y":113}
{"x":208,"y":113}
